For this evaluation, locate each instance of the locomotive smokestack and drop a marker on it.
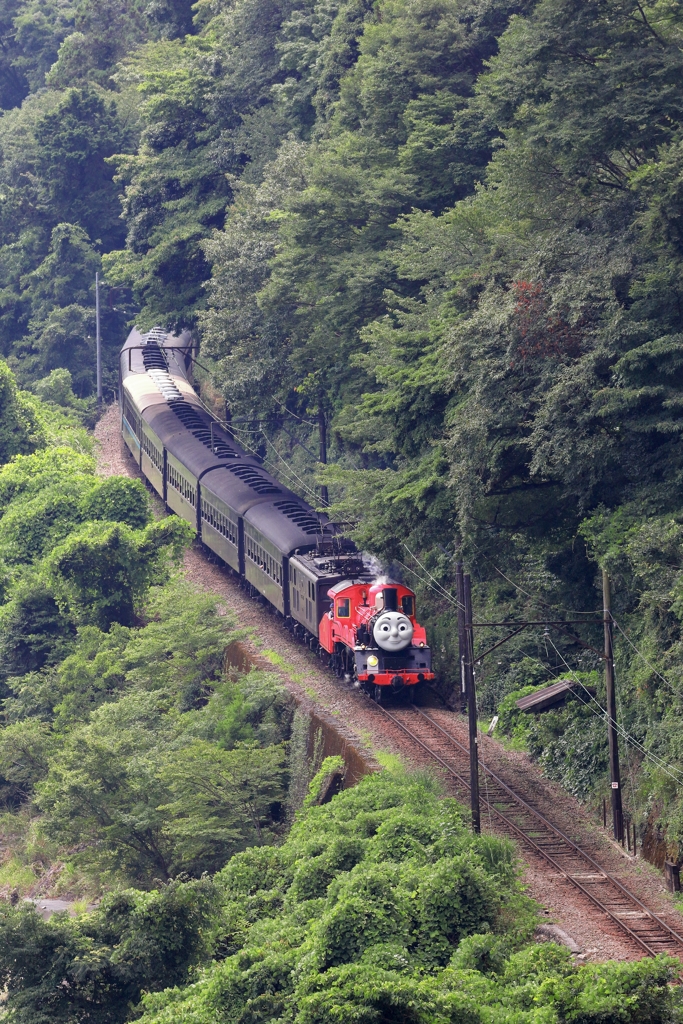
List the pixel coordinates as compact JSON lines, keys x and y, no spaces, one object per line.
{"x":390,"y":599}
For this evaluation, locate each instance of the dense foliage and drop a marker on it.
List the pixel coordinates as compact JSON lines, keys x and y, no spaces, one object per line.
{"x":125,"y":748}
{"x":451,"y":236}
{"x":380,"y":906}
{"x":446,"y":233}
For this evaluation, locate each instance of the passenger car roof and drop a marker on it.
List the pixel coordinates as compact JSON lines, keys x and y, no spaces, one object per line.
{"x":289,"y":523}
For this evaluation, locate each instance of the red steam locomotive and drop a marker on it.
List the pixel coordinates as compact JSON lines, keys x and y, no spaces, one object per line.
{"x":373,"y":636}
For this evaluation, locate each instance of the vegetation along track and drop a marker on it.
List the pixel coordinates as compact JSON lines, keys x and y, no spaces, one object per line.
{"x":516,"y":818}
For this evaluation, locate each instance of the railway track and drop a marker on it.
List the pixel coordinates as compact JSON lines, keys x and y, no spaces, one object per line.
{"x":519,"y":820}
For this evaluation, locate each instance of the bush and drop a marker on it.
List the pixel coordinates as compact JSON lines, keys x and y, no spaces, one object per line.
{"x":96,"y":969}
{"x":100,"y":574}
{"x":117,"y":499}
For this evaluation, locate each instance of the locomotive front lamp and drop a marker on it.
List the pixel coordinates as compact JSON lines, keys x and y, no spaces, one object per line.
{"x":373,"y":662}
{"x":422,"y":643}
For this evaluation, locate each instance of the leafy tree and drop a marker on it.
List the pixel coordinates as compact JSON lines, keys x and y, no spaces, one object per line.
{"x":26,"y":475}
{"x":374,"y":881}
{"x":40,"y":26}
{"x":33,"y":630}
{"x":104,"y":33}
{"x":73,"y":142}
{"x":31,"y":528}
{"x":19,"y":430}
{"x":101,"y":573}
{"x":57,"y":388}
{"x":135,"y":942}
{"x":24,"y":758}
{"x":31,"y":33}
{"x":208,"y":111}
{"x":147,"y":800}
{"x":118,"y":499}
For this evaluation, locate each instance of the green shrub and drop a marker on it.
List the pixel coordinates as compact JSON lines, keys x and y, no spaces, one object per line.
{"x":118,"y":499}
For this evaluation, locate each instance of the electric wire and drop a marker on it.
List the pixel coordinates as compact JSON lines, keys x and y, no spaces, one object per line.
{"x":292,"y":473}
{"x":439,"y":589}
{"x":310,"y":423}
{"x":443,"y":594}
{"x":241,"y":430}
{"x":641,"y":656}
{"x":664,"y":766}
{"x":295,"y":475}
{"x":443,"y":590}
{"x":229,"y":428}
{"x":668,"y":769}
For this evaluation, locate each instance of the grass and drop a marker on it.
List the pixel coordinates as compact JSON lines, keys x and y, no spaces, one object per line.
{"x":275,"y":659}
{"x":390,"y":762}
{"x":15,"y":875}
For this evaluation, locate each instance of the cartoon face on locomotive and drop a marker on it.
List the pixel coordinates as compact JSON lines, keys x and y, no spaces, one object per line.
{"x":373,"y":630}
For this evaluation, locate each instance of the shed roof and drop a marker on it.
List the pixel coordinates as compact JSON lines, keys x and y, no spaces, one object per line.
{"x":547,"y":696}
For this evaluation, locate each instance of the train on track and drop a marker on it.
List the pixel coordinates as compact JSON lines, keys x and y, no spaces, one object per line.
{"x":294,"y":557}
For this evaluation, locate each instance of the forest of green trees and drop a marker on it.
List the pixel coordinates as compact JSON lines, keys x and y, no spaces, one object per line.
{"x":452,"y":232}
{"x":136,"y":770}
{"x":452,"y":226}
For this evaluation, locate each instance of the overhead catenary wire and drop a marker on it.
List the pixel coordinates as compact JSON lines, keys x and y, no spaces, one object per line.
{"x":669,"y":769}
{"x":664,"y":766}
{"x":449,"y":597}
{"x":641,"y":655}
{"x":309,"y":423}
{"x":229,"y":427}
{"x":288,"y":468}
{"x":438,"y":589}
{"x":675,"y":773}
{"x":241,"y":430}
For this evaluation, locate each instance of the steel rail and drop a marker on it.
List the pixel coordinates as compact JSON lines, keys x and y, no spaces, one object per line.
{"x":522,"y":835}
{"x":570,"y":842}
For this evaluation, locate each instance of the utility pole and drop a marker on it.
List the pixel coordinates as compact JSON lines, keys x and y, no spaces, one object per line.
{"x":617,"y":815}
{"x":460,"y":594}
{"x":98,"y":340}
{"x":471,"y":704}
{"x":322,"y":427}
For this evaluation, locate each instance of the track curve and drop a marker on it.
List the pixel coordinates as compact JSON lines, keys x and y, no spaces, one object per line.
{"x":519,"y":820}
